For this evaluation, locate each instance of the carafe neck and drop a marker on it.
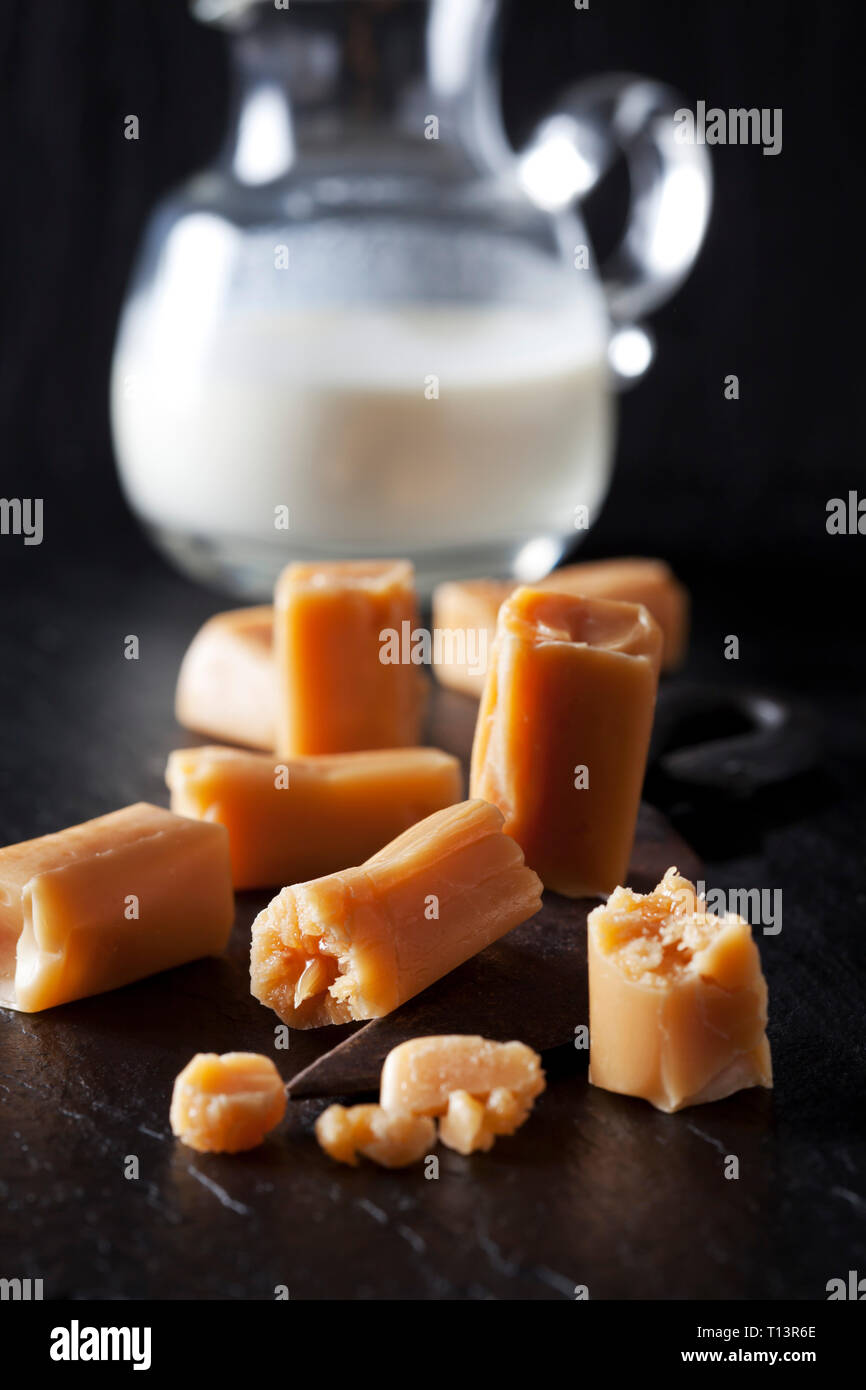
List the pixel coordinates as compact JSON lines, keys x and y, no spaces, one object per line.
{"x":324,"y":80}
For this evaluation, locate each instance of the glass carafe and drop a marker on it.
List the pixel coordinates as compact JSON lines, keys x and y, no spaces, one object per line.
{"x":373,"y":328}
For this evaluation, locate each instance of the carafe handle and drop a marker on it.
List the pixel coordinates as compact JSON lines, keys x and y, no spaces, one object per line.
{"x":671,"y":194}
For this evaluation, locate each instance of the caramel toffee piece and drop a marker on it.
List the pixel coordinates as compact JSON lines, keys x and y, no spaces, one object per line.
{"x":360,"y":942}
{"x":470,"y":1124}
{"x":107,"y":902}
{"x":337,"y":688}
{"x":227,"y":1104}
{"x":563,"y":733}
{"x":227,"y":682}
{"x":481,"y":1089}
{"x":677,"y":1000}
{"x":466,"y":610}
{"x":309,"y":816}
{"x":419,"y":1075}
{"x":390,"y":1140}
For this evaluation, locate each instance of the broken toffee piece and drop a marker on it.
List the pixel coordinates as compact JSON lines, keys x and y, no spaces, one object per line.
{"x":471,"y":1123}
{"x":356,"y":944}
{"x":390,"y":1140}
{"x":228,"y":1103}
{"x":481,"y":1089}
{"x":101,"y":904}
{"x":309,"y":816}
{"x":226,"y":687}
{"x":563,"y":732}
{"x":335,"y":692}
{"x":677,"y":1000}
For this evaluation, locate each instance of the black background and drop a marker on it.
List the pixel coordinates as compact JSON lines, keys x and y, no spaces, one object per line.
{"x":733,"y":493}
{"x":773,"y":298}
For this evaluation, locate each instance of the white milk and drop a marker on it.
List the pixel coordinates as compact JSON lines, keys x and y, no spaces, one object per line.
{"x":335,"y":414}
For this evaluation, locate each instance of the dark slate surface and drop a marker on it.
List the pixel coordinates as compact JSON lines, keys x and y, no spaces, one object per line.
{"x":596,"y":1189}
